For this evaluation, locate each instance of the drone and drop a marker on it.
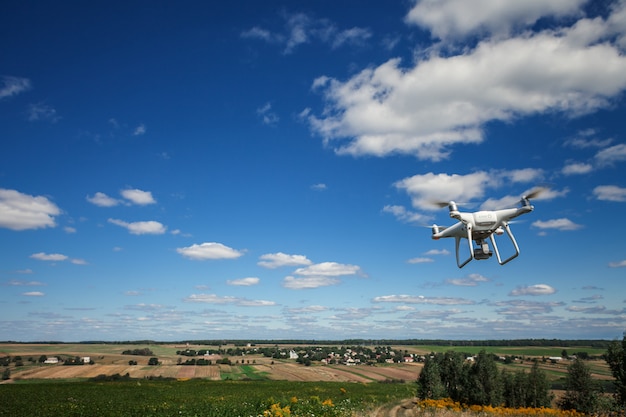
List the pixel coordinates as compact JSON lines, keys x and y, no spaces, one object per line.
{"x":480,"y":225}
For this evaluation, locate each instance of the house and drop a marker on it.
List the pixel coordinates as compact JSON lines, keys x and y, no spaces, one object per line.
{"x":85,"y":359}
{"x":53,"y":360}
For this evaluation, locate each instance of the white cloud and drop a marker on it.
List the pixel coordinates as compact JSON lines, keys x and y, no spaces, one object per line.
{"x":33,"y":294}
{"x":437,"y":252}
{"x":209,"y":250}
{"x":611,"y":155}
{"x":618,"y":264}
{"x":577,"y":168}
{"x":537,"y":289}
{"x":17,"y":283}
{"x":328,"y":269}
{"x":215,"y":299}
{"x":279,"y":259}
{"x":244,"y":282}
{"x":41,"y":256}
{"x":420,"y":260}
{"x":471,"y":280}
{"x":404,"y":215}
{"x":138,"y":197}
{"x":301,"y":28}
{"x":424,"y":189}
{"x":20,"y":211}
{"x":78,"y":261}
{"x":307,"y":282}
{"x":12,"y":86}
{"x":420,"y":299}
{"x":319,"y":187}
{"x":559,"y":224}
{"x":320,"y":275}
{"x":440,"y":101}
{"x":42,"y":112}
{"x":268,"y":117}
{"x":453,"y":19}
{"x":134,"y":196}
{"x":150,"y":227}
{"x":610,"y":193}
{"x":103,"y":200}
{"x":139,"y":130}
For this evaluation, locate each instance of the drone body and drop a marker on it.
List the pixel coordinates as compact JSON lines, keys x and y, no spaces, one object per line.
{"x":480,"y":226}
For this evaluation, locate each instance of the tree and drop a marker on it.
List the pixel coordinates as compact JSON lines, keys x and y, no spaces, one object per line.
{"x":484,"y":387}
{"x":153,"y":361}
{"x":6,"y":374}
{"x":454,"y":374}
{"x":581,"y":392}
{"x":538,"y":388}
{"x":616,"y":359}
{"x":429,"y":383}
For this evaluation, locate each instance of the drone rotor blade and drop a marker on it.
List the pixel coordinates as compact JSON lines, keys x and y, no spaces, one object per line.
{"x":535,"y":193}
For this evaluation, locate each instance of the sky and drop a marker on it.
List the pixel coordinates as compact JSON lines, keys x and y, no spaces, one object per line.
{"x":267,"y":170}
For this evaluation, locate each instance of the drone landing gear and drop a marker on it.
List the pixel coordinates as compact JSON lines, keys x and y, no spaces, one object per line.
{"x":482,"y":251}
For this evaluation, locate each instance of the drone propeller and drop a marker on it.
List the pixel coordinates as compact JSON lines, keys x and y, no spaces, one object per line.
{"x":535,"y":193}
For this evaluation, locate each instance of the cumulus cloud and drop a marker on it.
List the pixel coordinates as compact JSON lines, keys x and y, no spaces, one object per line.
{"x":610,"y":193}
{"x":279,"y":259}
{"x":471,"y":280}
{"x":298,"y":283}
{"x":426,"y":108}
{"x":577,"y":168}
{"x":138,"y":197}
{"x":42,"y":256}
{"x":102,"y":200}
{"x":427,"y":189}
{"x":244,"y":282}
{"x":453,"y":19}
{"x":150,"y":227}
{"x":537,"y":289}
{"x":209,"y":250}
{"x":131,"y":196}
{"x":12,"y":86}
{"x":20,"y":211}
{"x":558,"y":224}
{"x":320,"y":275}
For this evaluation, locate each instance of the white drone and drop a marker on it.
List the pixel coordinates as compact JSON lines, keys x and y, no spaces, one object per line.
{"x":480,"y":225}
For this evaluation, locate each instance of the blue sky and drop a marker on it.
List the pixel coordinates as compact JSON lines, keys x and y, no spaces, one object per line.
{"x":244,"y":170}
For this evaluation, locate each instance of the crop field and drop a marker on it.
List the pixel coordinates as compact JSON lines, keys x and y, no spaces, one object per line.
{"x":197,"y":398}
{"x":109,"y":360}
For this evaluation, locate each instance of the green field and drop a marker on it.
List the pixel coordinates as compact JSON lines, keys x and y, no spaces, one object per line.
{"x":144,"y":398}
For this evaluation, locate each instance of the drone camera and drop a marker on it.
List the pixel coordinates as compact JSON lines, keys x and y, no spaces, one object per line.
{"x":481,"y":255}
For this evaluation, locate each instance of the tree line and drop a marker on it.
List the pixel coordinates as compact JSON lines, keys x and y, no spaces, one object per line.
{"x":479,"y":382}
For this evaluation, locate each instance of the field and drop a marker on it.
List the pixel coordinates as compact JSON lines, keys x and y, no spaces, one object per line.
{"x":197,"y":398}
{"x":251,"y":385}
{"x":109,"y":360}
